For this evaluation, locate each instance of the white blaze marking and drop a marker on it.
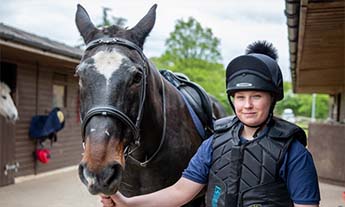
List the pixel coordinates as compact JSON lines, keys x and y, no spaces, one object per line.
{"x":107,"y":62}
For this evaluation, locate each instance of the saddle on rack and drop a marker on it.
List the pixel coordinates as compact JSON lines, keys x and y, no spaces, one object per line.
{"x":196,"y":97}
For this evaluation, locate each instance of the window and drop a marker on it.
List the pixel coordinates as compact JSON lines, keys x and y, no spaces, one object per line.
{"x":59,"y":90}
{"x":8,"y":74}
{"x":59,"y":96}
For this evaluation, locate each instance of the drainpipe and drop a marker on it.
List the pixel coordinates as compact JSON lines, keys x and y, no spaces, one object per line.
{"x":292,"y":15}
{"x":313,"y":107}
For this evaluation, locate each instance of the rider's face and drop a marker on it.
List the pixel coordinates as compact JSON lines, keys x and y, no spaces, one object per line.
{"x":252,"y":107}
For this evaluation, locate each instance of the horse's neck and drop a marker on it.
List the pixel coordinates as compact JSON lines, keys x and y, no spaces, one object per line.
{"x":153,"y":108}
{"x":161,"y":94}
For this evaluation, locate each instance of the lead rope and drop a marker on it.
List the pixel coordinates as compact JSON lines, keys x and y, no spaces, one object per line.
{"x":144,"y":164}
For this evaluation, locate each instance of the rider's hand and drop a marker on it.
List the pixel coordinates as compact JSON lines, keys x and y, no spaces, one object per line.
{"x":116,"y":200}
{"x":107,"y":201}
{"x":120,"y":200}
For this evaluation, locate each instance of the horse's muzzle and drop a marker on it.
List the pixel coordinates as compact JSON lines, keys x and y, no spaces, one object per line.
{"x":107,"y":181}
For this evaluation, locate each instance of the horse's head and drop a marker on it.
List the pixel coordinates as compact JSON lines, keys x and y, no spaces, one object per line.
{"x":112,"y":79}
{"x":7,"y":107}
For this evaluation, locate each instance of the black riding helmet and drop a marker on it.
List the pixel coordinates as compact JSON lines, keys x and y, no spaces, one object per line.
{"x":257,"y":70}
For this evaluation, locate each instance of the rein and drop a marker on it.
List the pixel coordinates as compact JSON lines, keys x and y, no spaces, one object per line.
{"x":115,"y":113}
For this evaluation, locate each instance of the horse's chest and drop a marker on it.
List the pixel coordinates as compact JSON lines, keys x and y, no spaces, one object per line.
{"x":139,"y":180}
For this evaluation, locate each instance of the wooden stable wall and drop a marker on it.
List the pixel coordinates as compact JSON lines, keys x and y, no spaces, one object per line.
{"x":6,"y":151}
{"x":326,"y":143}
{"x":34,"y":97}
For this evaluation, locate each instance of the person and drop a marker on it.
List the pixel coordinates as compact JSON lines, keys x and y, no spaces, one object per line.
{"x":253,"y":159}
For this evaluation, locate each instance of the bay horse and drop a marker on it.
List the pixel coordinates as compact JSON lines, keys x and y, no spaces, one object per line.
{"x":218,"y":109}
{"x":137,"y":131}
{"x":7,"y":107}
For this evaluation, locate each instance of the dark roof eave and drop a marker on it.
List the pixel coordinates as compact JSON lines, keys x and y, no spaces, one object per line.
{"x":10,"y":34}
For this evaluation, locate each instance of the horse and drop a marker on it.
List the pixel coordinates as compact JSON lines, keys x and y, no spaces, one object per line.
{"x":7,"y":107}
{"x":218,"y":109}
{"x":138,"y":134}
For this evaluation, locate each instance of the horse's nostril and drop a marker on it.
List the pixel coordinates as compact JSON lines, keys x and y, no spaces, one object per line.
{"x":112,"y":173}
{"x":106,"y":180}
{"x":81,"y":173}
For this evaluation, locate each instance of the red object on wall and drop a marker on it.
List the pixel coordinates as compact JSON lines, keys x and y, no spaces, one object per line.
{"x":43,"y":155}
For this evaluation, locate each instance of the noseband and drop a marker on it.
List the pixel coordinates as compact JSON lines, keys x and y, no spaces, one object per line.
{"x":117,"y":114}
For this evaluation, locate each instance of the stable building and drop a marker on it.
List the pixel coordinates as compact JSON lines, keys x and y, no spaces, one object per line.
{"x":316,"y":46}
{"x":40,"y":73}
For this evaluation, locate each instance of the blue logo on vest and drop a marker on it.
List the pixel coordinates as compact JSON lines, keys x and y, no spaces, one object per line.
{"x":216,"y":195}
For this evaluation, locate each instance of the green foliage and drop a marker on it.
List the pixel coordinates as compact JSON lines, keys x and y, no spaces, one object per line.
{"x":190,"y":41}
{"x":301,"y":104}
{"x":208,"y":75}
{"x":193,"y":51}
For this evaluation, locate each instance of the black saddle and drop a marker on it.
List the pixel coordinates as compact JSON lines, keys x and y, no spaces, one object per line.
{"x":195,"y":95}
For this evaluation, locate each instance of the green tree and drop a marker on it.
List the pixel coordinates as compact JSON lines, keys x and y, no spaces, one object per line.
{"x":194,"y":51}
{"x":301,"y":104}
{"x":190,"y":41}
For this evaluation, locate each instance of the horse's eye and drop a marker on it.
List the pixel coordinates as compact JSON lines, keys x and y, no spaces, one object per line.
{"x":4,"y":97}
{"x":137,"y":77}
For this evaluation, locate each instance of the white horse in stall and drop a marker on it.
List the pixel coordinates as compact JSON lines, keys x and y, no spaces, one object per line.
{"x":7,"y":107}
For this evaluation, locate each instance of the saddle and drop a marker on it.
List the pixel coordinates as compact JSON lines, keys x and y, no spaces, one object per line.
{"x":195,"y":96}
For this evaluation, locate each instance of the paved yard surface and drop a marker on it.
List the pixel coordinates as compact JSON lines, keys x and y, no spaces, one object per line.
{"x":63,"y":189}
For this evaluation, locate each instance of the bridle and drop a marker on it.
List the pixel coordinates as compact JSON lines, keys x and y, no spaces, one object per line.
{"x":117,"y":114}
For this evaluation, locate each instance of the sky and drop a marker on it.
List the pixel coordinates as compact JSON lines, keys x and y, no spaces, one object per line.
{"x":235,"y":23}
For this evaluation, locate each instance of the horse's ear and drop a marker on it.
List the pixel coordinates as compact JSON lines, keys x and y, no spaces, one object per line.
{"x":84,"y":24}
{"x":142,"y":29}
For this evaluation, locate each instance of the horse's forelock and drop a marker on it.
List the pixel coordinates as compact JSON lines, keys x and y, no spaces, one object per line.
{"x":112,"y":30}
{"x":4,"y":88}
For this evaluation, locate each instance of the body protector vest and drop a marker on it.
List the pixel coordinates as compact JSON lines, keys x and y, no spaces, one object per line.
{"x":247,"y":175}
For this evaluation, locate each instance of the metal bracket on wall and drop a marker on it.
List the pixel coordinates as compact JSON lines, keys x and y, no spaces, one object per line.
{"x":11,"y":167}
